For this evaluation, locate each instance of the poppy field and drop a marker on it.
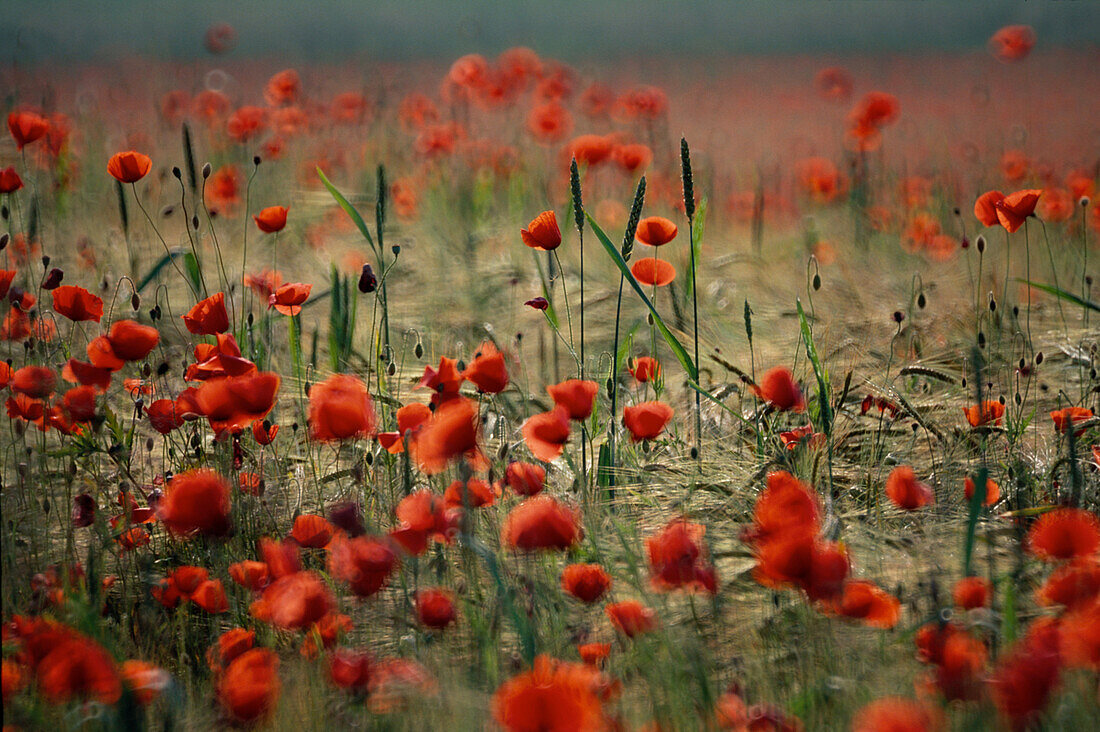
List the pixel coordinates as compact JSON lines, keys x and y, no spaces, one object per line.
{"x":515,"y":394}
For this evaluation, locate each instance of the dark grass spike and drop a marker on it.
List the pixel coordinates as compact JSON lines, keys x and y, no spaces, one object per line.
{"x":189,"y":158}
{"x":379,"y":228}
{"x":578,"y":219}
{"x":689,"y":209}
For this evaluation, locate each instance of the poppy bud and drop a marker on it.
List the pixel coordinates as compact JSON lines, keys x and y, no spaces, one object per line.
{"x":981,"y":339}
{"x":979,"y":243}
{"x":53,"y":279}
{"x":195,"y":222}
{"x":957,"y":211}
{"x":921,"y":301}
{"x":1088,"y":278}
{"x":396,"y":249}
{"x":391,"y":369}
{"x":1038,"y":358}
{"x":83,"y":511}
{"x":1018,"y":399}
{"x":135,"y":302}
{"x":206,"y":170}
{"x":992,"y":303}
{"x":898,"y":316}
{"x":367,"y":281}
{"x":610,"y":388}
{"x":167,"y":211}
{"x":250,"y":320}
{"x":4,"y":212}
{"x":817,"y":281}
{"x":256,"y":160}
{"x":149,"y":444}
{"x":965,"y":242}
{"x":1084,"y":201}
{"x":418,"y":349}
{"x":1015,"y":311}
{"x":177,"y":173}
{"x":45,"y":260}
{"x":538,"y":303}
{"x":4,"y":240}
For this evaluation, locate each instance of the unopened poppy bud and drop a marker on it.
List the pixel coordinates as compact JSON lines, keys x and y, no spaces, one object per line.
{"x":979,"y":243}
{"x":418,"y":349}
{"x":206,"y":170}
{"x":921,"y":301}
{"x":1015,"y":311}
{"x":965,"y":242}
{"x":1084,"y":201}
{"x":195,"y":222}
{"x":256,"y":160}
{"x":957,"y":211}
{"x":1018,"y":399}
{"x":396,"y":249}
{"x":368,"y":459}
{"x":53,"y":279}
{"x":1088,"y":278}
{"x":177,"y":173}
{"x":817,"y":281}
{"x":610,"y":388}
{"x":992,"y":303}
{"x":250,"y":320}
{"x":898,"y":316}
{"x":167,"y":211}
{"x":4,"y":212}
{"x":649,"y":319}
{"x":135,"y":301}
{"x":4,"y":240}
{"x":981,"y":339}
{"x":367,"y":281}
{"x":162,"y":369}
{"x":45,"y":260}
{"x":149,"y":444}
{"x":391,"y":369}
{"x":1038,"y":358}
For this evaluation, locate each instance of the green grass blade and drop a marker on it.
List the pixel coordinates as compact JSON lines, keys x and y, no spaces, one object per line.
{"x":819,"y":370}
{"x":697,"y":242}
{"x":678,"y":349}
{"x":348,"y":209}
{"x":1062,"y":294}
{"x":157,"y":268}
{"x":974,"y":510}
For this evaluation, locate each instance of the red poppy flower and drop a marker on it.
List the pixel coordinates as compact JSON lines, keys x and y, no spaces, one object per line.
{"x":340,"y":408}
{"x":26,"y":127}
{"x":474,"y":493}
{"x":288,"y":299}
{"x":163,"y":416}
{"x":644,"y":369}
{"x":312,"y":531}
{"x":820,"y":179}
{"x":208,"y":317}
{"x":799,"y":435}
{"x":233,"y":403}
{"x":37,"y":382}
{"x":78,"y":667}
{"x":632,"y":158}
{"x":646,"y":421}
{"x":196,"y":502}
{"x":972,"y":592}
{"x":271,"y":219}
{"x":364,"y":562}
{"x":631,"y":617}
{"x":834,"y":83}
{"x":992,"y":491}
{"x":537,"y":303}
{"x":250,"y":574}
{"x":145,"y":680}
{"x":129,"y":166}
{"x":487,"y":371}
{"x":541,"y":523}
{"x":1027,"y":675}
{"x":787,"y":506}
{"x":10,"y":182}
{"x":1016,"y":207}
{"x":435,"y":608}
{"x":653,"y":272}
{"x":294,"y":601}
{"x":549,"y":122}
{"x":1073,"y":584}
{"x":210,"y":596}
{"x":1063,"y":418}
{"x":678,"y":558}
{"x":867,"y":602}
{"x":986,"y":413}
{"x":655,"y":231}
{"x":545,"y":434}
{"x":586,"y":582}
{"x":577,"y":397}
{"x":542,"y":233}
{"x":526,"y":479}
{"x":895,"y":714}
{"x":1064,"y":533}
{"x":451,"y":433}
{"x":1012,"y":43}
{"x":554,"y":695}
{"x":778,"y":388}
{"x":906,"y":491}
{"x":132,"y":341}
{"x":77,"y":304}
{"x":594,"y":654}
{"x":80,"y":403}
{"x":6,"y":277}
{"x":250,"y":687}
{"x":264,"y":432}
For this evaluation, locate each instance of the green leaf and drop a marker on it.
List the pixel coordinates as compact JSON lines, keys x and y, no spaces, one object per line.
{"x":348,"y":209}
{"x":157,"y":268}
{"x":191,"y":267}
{"x":697,"y":241}
{"x":1060,"y":293}
{"x":677,"y":348}
{"x":975,"y":509}
{"x":819,"y":370}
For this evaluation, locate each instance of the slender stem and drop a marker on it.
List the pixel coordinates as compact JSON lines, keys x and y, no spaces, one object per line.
{"x":695,"y":324}
{"x":163,"y":242}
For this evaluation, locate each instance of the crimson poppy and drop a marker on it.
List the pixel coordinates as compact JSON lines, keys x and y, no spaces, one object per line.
{"x":349,"y":669}
{"x":1073,"y":584}
{"x":250,"y":574}
{"x":312,"y":531}
{"x":1012,"y":43}
{"x":678,"y":558}
{"x":294,"y":601}
{"x":778,"y":388}
{"x":1064,"y":533}
{"x":594,"y":654}
{"x":233,"y":403}
{"x":364,"y":562}
{"x":340,"y":408}
{"x":77,"y":667}
{"x":230,"y":644}
{"x":435,"y":608}
{"x":129,"y":166}
{"x":422,"y":515}
{"x":1027,"y":675}
{"x":644,"y":369}
{"x":10,"y":182}
{"x":26,"y":127}
{"x":553,"y":695}
{"x":208,"y":317}
{"x":631,"y":618}
{"x":908,"y":493}
{"x":526,"y":479}
{"x":452,"y":432}
{"x":545,"y":434}
{"x":541,"y":522}
{"x":130,"y":341}
{"x":145,"y":680}
{"x":1016,"y":207}
{"x":37,"y":382}
{"x":77,"y":304}
{"x":80,"y":403}
{"x":250,"y":687}
{"x":196,"y":502}
{"x":576,"y":396}
{"x":487,"y":371}
{"x":586,"y":582}
{"x":897,"y":714}
{"x":655,"y":231}
{"x":542,"y":233}
{"x":271,"y":219}
{"x":288,"y":298}
{"x":992,"y":491}
{"x":632,"y":157}
{"x":646,"y":421}
{"x":972,"y":592}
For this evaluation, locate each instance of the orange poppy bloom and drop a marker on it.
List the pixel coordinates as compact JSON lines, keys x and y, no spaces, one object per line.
{"x":1073,"y":584}
{"x":895,"y":714}
{"x":77,"y":667}
{"x":1080,"y":636}
{"x":632,"y":157}
{"x":631,"y":617}
{"x":281,"y":557}
{"x":820,"y":179}
{"x":452,"y":432}
{"x":282,"y":88}
{"x":545,"y":434}
{"x":985,"y":208}
{"x":233,"y":403}
{"x":271,"y":219}
{"x":542,"y":233}
{"x":644,"y":369}
{"x":80,"y":403}
{"x":787,"y":506}
{"x":594,"y":654}
{"x":26,"y":127}
{"x":208,"y":317}
{"x":992,"y":491}
{"x":867,"y":602}
{"x":549,"y":122}
{"x":908,"y":493}
{"x":972,"y":592}
{"x":655,"y":231}
{"x":1063,"y":418}
{"x":349,"y":669}
{"x":1012,"y":43}
{"x":646,"y":421}
{"x":1064,"y":533}
{"x":294,"y":601}
{"x":312,"y":531}
{"x":586,"y":582}
{"x":653,"y":272}
{"x":590,"y":150}
{"x":422,"y":515}
{"x":986,"y":413}
{"x":129,"y":166}
{"x":340,"y":408}
{"x":10,"y":182}
{"x":77,"y":304}
{"x":435,"y":608}
{"x":36,"y":382}
{"x":1016,"y":207}
{"x":250,"y":687}
{"x":474,"y":493}
{"x":196,"y":502}
{"x":288,"y":299}
{"x":541,"y":522}
{"x":1027,"y":675}
{"x":834,"y":84}
{"x":364,"y":562}
{"x":210,"y":596}
{"x":250,"y":573}
{"x":554,"y":695}
{"x":778,"y":388}
{"x":526,"y":479}
{"x":246,"y":123}
{"x":576,"y":396}
{"x":231,"y":644}
{"x":163,"y":416}
{"x":678,"y":558}
{"x":487,"y":371}
{"x":78,"y":372}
